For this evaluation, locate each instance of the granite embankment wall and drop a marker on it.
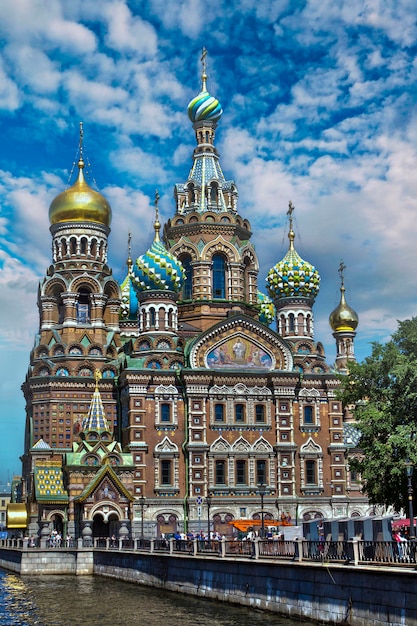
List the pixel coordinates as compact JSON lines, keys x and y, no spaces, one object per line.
{"x":324,"y":592}
{"x":38,"y":561}
{"x":332,"y":594}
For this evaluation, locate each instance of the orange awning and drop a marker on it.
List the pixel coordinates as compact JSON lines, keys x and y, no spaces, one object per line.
{"x":244,"y":524}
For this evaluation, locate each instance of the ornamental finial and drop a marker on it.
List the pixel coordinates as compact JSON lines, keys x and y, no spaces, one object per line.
{"x":129,"y":252}
{"x":204,"y":72}
{"x":291,"y":234}
{"x":157,"y":225}
{"x":80,"y":148}
{"x":341,"y":270}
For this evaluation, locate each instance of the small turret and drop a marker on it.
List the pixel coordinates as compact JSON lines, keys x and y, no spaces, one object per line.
{"x":343,"y":321}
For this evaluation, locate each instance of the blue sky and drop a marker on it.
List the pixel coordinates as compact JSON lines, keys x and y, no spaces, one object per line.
{"x":319,"y":102}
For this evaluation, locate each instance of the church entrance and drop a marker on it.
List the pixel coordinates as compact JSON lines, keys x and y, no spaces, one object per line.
{"x":105,"y":527}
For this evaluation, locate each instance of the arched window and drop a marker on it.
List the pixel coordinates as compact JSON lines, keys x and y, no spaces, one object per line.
{"x":83,"y":245}
{"x":83,"y":307}
{"x":187,"y":286}
{"x":214,"y":193}
{"x":219,"y":412}
{"x":73,"y":245}
{"x":191,"y":194}
{"x":291,"y":323}
{"x":219,"y":276}
{"x":308,"y":415}
{"x":246,"y":283}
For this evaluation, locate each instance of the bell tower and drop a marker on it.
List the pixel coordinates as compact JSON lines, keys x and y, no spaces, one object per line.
{"x":79,"y":302}
{"x":207,"y":233}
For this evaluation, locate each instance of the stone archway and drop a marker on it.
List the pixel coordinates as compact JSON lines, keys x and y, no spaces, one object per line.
{"x":105,"y":526}
{"x":58,"y":523}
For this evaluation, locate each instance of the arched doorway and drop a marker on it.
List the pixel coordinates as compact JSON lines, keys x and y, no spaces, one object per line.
{"x":58,"y":523}
{"x":100,"y":526}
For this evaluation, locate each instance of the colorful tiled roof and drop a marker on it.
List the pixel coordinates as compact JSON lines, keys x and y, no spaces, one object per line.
{"x":49,"y":483}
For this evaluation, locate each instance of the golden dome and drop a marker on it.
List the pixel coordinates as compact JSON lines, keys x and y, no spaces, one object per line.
{"x":343,"y":318}
{"x":80,"y":203}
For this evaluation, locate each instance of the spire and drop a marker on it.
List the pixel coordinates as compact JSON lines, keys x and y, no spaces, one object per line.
{"x":129,"y":261}
{"x":157,"y":224}
{"x":291,"y":234}
{"x":204,"y":72}
{"x":81,"y":163}
{"x":206,"y":188}
{"x":96,"y":418}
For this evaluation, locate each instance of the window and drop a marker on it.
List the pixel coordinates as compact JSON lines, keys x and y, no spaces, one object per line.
{"x":220,"y":472}
{"x":219,"y":276}
{"x":291,"y":322}
{"x":239,"y":412}
{"x":261,"y":472}
{"x":219,"y":412}
{"x":308,"y":415}
{"x":166,"y":478}
{"x":165,"y":412}
{"x":187,"y":286}
{"x":259,"y":413}
{"x":311,"y":473}
{"x":83,"y":307}
{"x":240,"y":472}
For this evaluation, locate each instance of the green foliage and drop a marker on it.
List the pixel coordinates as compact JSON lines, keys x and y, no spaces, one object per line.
{"x":383,"y":393}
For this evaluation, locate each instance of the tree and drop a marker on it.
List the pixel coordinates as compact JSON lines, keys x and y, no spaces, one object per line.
{"x":383,"y":393}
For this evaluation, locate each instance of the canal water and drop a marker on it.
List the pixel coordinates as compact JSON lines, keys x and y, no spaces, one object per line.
{"x":99,"y":601}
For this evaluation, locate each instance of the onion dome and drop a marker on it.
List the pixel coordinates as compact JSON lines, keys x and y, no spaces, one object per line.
{"x":204,"y":106}
{"x":80,"y":203}
{"x":129,"y":306}
{"x":293,"y":277}
{"x":343,"y":318}
{"x":157,"y":269}
{"x":267,"y":309}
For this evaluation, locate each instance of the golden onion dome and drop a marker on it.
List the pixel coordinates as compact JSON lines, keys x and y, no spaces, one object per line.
{"x":80,"y":203}
{"x":343,"y":318}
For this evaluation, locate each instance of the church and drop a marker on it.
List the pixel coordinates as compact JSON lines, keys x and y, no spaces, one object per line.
{"x":184,"y":397}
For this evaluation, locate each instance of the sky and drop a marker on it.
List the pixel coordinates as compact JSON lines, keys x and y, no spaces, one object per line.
{"x":319,"y":100}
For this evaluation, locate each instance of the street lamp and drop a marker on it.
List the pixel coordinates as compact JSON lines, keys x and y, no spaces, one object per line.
{"x":208,"y":501}
{"x":142,"y":505}
{"x":409,"y":469}
{"x":262,"y":491}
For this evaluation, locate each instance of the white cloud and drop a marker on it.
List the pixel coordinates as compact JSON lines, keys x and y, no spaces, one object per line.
{"x":9,"y":92}
{"x":129,"y":33}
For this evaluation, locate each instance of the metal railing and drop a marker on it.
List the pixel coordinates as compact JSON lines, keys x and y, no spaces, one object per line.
{"x":355,"y":551}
